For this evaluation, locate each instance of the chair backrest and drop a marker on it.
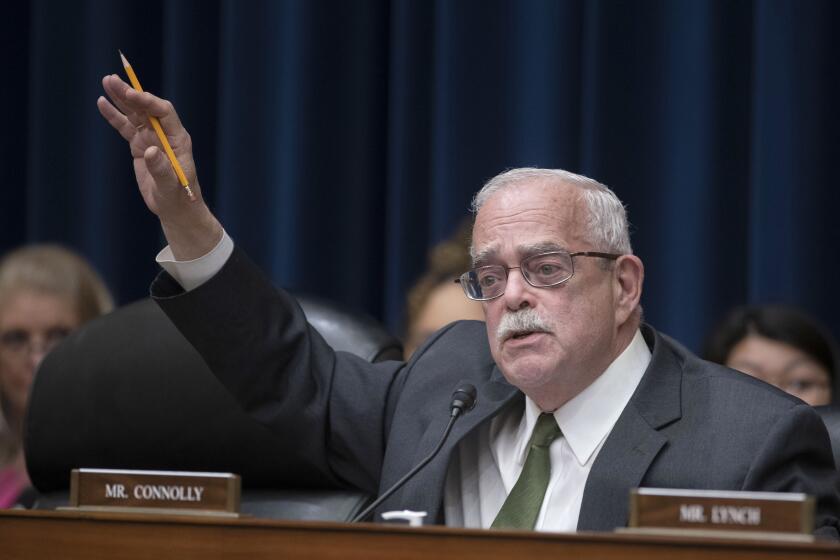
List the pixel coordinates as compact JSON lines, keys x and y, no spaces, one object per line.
{"x":349,"y":331}
{"x":831,"y":416}
{"x":128,"y":391}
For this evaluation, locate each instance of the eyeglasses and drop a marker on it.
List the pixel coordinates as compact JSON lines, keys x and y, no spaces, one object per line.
{"x":540,"y":271}
{"x":19,"y":342}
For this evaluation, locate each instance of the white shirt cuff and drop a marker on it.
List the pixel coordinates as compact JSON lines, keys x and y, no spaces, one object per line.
{"x":192,"y":274}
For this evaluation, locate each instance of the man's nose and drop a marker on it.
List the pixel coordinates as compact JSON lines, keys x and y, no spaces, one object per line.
{"x":518,"y":292}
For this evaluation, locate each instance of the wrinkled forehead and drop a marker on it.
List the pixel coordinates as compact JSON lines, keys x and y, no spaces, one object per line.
{"x":528,"y":218}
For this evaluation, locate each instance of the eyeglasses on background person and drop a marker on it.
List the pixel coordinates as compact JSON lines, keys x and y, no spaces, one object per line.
{"x":19,"y":342}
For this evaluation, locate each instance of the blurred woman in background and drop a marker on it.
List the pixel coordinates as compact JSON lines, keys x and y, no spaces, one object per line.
{"x":436,"y":300}
{"x":45,"y":293}
{"x":779,"y":345}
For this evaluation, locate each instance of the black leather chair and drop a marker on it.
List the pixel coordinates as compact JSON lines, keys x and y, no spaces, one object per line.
{"x":831,"y":416}
{"x":128,"y":391}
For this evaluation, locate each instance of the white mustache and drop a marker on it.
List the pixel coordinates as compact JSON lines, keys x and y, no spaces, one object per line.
{"x":524,"y":320}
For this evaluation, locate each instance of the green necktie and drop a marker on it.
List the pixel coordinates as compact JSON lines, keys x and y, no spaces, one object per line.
{"x":523,"y":504}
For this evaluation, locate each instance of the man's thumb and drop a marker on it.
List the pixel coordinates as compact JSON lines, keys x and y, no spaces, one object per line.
{"x":159,"y":166}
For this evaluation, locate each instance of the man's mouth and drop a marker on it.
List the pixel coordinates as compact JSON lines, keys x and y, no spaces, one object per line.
{"x":522,"y":334}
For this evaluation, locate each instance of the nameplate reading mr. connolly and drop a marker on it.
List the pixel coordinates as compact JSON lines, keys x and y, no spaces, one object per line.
{"x":171,"y":491}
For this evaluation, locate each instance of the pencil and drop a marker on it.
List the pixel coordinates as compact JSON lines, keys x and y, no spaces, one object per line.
{"x":132,"y":77}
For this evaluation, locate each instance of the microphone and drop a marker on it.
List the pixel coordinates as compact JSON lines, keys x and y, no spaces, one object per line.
{"x":463,"y":400}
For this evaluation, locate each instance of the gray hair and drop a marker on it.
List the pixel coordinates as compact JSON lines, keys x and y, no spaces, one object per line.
{"x":607,"y":224}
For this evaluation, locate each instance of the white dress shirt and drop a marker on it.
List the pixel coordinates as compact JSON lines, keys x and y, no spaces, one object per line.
{"x":488,"y":462}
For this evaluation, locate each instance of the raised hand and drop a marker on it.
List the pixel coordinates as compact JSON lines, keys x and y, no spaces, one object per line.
{"x":189,"y":226}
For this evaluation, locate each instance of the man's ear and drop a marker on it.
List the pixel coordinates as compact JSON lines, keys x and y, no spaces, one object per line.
{"x":629,"y":276}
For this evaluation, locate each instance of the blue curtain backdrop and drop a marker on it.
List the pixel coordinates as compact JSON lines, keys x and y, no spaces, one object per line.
{"x":338,"y":141}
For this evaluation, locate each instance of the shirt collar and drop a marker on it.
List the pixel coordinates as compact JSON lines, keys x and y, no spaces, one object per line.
{"x":588,"y":418}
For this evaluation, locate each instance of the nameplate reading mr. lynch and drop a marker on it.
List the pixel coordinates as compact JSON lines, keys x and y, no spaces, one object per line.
{"x":721,"y":510}
{"x":169,"y":491}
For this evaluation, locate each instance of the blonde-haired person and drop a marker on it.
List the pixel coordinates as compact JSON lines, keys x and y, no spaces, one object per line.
{"x":46,"y":292}
{"x":436,"y":300}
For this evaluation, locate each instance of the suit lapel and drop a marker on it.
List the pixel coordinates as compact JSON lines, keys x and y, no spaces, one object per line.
{"x":620,"y":465}
{"x":425,"y":491}
{"x":634,"y":441}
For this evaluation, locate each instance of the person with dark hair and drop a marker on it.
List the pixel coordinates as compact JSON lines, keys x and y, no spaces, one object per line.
{"x":780,"y":345}
{"x":436,"y":300}
{"x":46,"y":291}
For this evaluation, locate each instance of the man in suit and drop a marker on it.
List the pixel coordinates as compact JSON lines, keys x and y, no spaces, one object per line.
{"x":577,"y":400}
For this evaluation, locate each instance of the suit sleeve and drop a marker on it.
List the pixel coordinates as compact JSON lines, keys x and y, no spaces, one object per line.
{"x":797,"y":457}
{"x":330,"y":410}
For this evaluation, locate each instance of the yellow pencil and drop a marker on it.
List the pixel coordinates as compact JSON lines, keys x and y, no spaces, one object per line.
{"x":132,"y":77}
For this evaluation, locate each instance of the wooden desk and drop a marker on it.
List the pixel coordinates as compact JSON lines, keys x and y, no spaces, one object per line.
{"x":92,"y":536}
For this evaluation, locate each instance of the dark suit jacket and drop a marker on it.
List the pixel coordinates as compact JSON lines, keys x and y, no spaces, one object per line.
{"x":690,"y":423}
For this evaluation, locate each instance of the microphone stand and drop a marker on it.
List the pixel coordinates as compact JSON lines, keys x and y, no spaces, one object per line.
{"x":463,"y":401}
